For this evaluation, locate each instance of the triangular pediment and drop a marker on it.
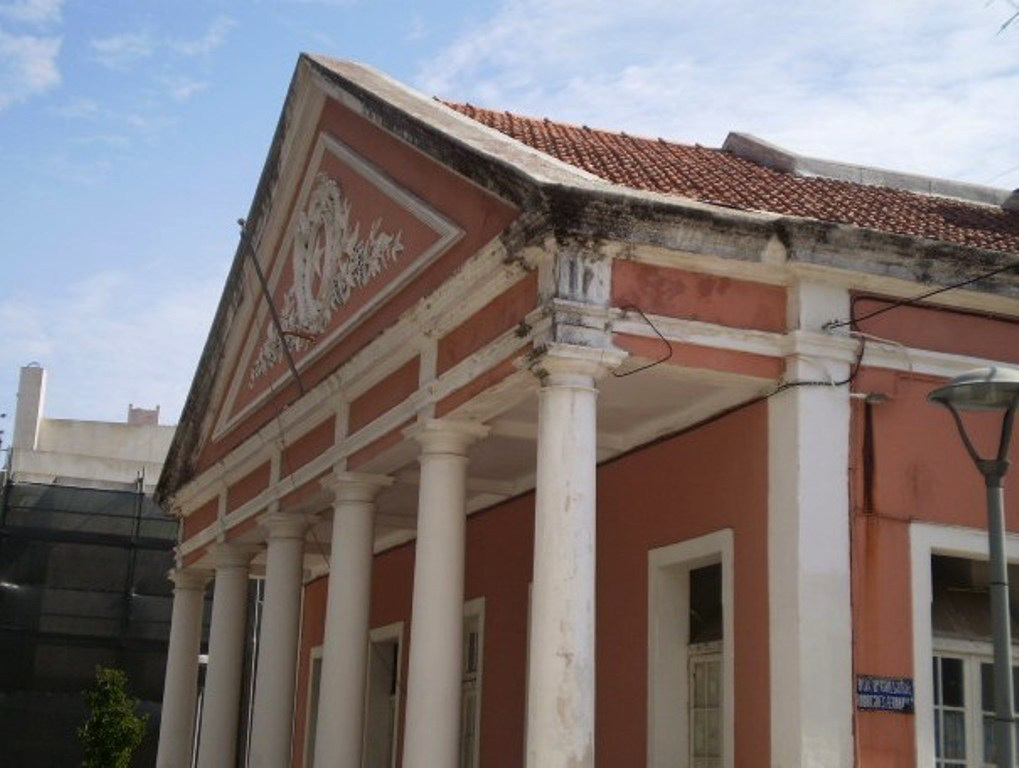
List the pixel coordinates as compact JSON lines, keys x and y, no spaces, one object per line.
{"x":356,"y":238}
{"x":358,"y":217}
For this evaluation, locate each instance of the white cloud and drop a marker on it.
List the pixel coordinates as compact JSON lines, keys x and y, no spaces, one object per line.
{"x":32,"y":11}
{"x":28,"y":66}
{"x":418,"y":29}
{"x":118,"y":51}
{"x":105,"y":342}
{"x":75,"y":167}
{"x":105,"y":140}
{"x":328,"y":3}
{"x":213,"y":38}
{"x":925,"y":86}
{"x":183,"y":88}
{"x":78,"y":109}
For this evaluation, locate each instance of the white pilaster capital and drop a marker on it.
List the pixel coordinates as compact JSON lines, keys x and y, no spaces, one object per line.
{"x":575,"y":365}
{"x":189,"y":578}
{"x":233,"y":555}
{"x":354,"y":486}
{"x":286,"y":525}
{"x":446,"y":435}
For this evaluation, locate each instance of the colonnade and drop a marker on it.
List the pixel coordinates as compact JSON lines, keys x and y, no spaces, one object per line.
{"x":561,"y":657}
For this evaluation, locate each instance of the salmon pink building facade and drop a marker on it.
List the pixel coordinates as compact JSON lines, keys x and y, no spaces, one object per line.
{"x":557,"y":447}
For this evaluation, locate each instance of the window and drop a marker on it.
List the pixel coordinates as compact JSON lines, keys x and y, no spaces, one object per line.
{"x":690,"y":680}
{"x":314,"y":684}
{"x":470,"y":700}
{"x":951,"y":642}
{"x":382,"y":697}
{"x":705,"y":688}
{"x":964,"y":709}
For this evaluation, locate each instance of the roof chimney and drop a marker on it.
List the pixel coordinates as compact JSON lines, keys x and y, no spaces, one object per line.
{"x":142,"y":417}
{"x":31,"y":399}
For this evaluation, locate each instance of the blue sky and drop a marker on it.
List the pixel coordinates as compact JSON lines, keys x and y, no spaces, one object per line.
{"x":132,"y":132}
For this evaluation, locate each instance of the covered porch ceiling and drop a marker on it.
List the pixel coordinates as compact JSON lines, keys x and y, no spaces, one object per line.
{"x":633,"y":410}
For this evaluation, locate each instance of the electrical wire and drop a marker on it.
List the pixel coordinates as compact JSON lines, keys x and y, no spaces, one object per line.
{"x":668,"y":345}
{"x":246,"y":241}
{"x":853,"y":371}
{"x":915,"y":300}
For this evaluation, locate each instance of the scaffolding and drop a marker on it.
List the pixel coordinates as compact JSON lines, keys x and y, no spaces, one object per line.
{"x":82,"y":584}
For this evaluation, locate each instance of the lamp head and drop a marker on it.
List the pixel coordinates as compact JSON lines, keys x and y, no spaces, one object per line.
{"x":982,"y":389}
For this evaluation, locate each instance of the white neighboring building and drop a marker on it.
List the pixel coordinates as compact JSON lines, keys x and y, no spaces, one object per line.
{"x":83,"y":553}
{"x":86,"y":454}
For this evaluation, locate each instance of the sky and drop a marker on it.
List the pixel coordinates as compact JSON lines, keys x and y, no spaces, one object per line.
{"x":133,"y":132}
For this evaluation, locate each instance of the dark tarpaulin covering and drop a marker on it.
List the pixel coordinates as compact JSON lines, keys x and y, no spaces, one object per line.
{"x":82,"y":583}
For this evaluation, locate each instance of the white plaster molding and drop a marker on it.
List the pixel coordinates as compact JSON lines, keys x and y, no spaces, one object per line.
{"x":286,"y":525}
{"x":354,"y":486}
{"x":233,"y":555}
{"x":330,"y":260}
{"x":898,"y":288}
{"x":446,"y":436}
{"x":877,"y":354}
{"x":898,"y":357}
{"x":566,"y":364}
{"x":770,"y":272}
{"x":189,"y":578}
{"x":481,"y":279}
{"x":446,"y":231}
{"x":699,"y":333}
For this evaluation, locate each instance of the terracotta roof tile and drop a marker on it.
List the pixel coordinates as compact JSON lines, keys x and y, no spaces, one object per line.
{"x":722,"y":178}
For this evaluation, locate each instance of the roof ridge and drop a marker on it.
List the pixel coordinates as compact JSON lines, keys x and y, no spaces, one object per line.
{"x":762,"y":152}
{"x":463,"y":107}
{"x":749,"y":174}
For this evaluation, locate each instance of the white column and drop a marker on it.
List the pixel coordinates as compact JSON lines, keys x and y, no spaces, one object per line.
{"x":221,"y":707}
{"x":432,"y":734}
{"x":340,"y":728}
{"x":177,"y":722}
{"x":561,"y":672}
{"x":275,"y":678}
{"x":810,"y":615}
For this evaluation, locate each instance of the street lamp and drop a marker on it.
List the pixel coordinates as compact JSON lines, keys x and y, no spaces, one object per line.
{"x":992,"y":389}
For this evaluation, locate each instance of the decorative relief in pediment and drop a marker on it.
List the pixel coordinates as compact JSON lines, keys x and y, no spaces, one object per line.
{"x":355,"y":237}
{"x":330,"y":259}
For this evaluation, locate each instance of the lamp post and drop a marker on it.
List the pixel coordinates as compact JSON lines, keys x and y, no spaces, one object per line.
{"x":992,"y":389}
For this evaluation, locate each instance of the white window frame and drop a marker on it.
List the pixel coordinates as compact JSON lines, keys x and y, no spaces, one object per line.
{"x":972,"y":654}
{"x":927,"y":540}
{"x":527,"y":671}
{"x":392,"y":631}
{"x":311,"y":709}
{"x":475,"y":609}
{"x":668,"y":632}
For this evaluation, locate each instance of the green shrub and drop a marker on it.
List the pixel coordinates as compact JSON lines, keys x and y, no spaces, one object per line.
{"x":113,"y":731}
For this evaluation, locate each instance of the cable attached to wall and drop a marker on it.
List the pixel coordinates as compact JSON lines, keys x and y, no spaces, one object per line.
{"x":853,"y":371}
{"x":668,"y":345}
{"x":278,"y":324}
{"x":915,"y":300}
{"x":246,"y":241}
{"x":852,"y":324}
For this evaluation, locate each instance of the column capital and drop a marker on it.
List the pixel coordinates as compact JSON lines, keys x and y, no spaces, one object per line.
{"x":571,"y":364}
{"x":232,"y":554}
{"x":446,"y":435}
{"x":354,"y":486}
{"x":189,"y":578}
{"x":286,"y":525}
